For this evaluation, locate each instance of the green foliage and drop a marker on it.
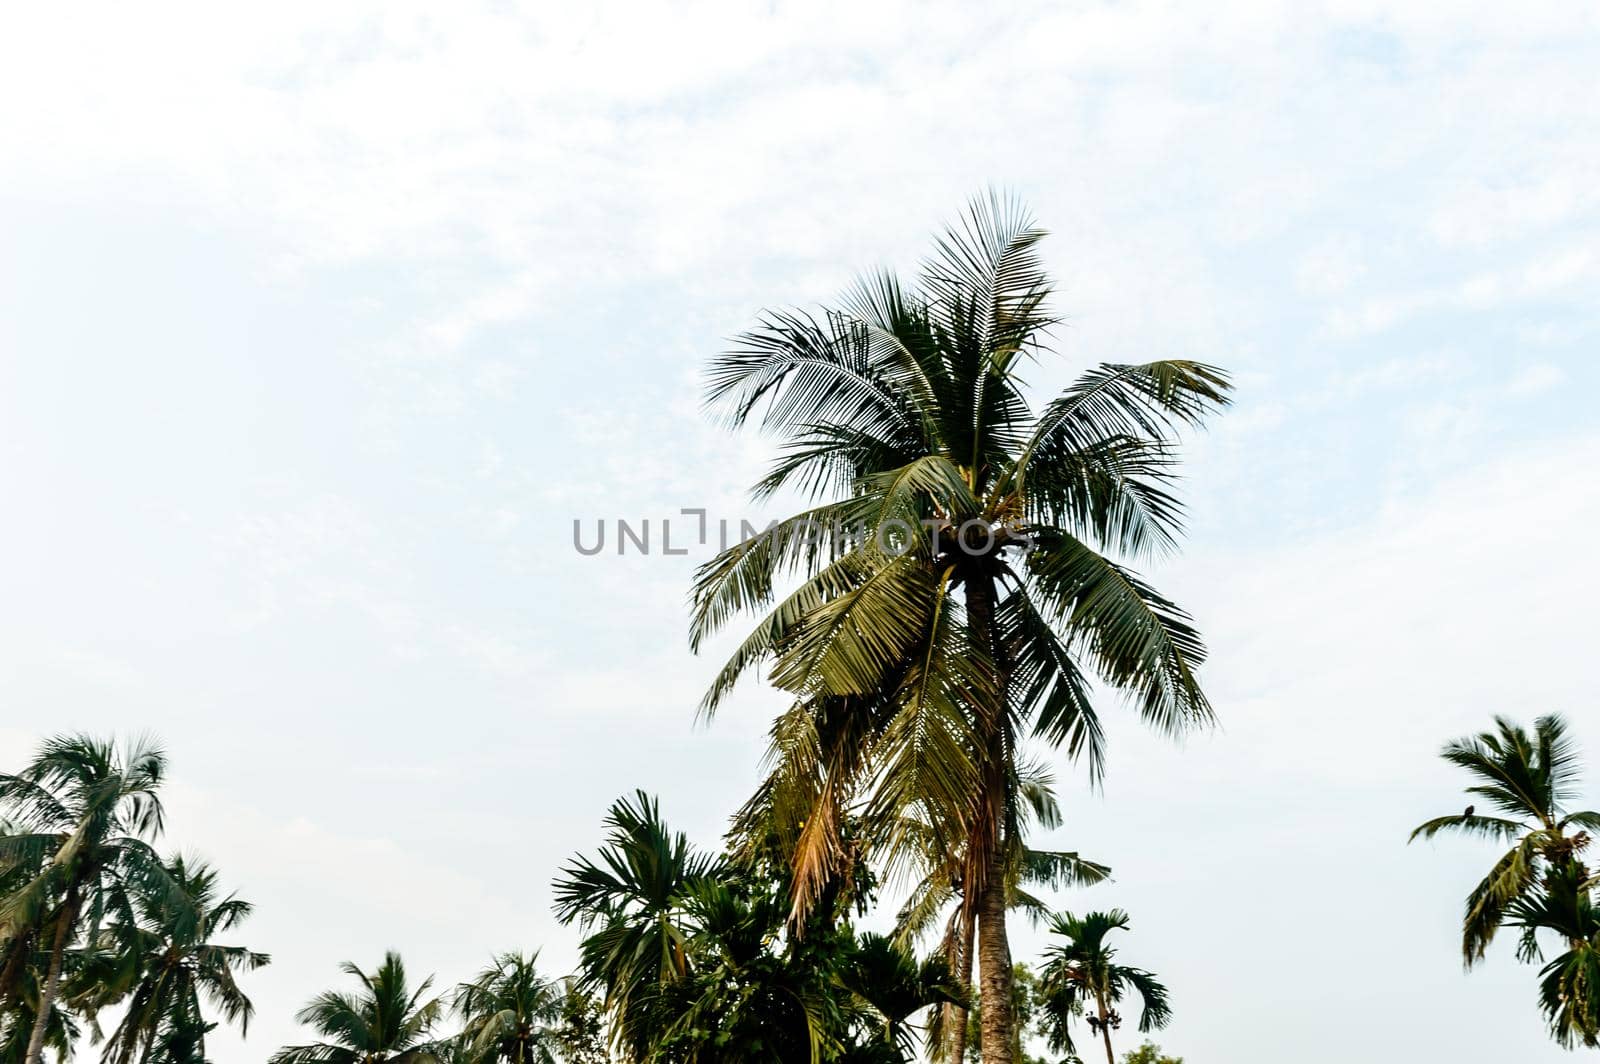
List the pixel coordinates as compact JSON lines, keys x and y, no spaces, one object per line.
{"x":75,"y":854}
{"x":1149,"y":1053}
{"x":510,"y":1013}
{"x":384,"y":1022}
{"x":1540,"y":885}
{"x":159,"y":967}
{"x":694,"y":960}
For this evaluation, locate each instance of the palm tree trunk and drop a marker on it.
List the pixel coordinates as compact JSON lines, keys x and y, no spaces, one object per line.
{"x":1105,"y":1030}
{"x":994,"y":973}
{"x":961,"y":968}
{"x":994,"y":950}
{"x":52,"y":979}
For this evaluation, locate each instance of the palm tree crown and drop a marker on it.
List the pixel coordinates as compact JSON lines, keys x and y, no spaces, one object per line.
{"x":385,"y":1022}
{"x":510,"y":1013}
{"x":1081,"y":976}
{"x":161,"y":967}
{"x":1528,"y":779}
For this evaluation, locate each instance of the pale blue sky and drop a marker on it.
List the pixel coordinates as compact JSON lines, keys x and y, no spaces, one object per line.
{"x":317,"y":330}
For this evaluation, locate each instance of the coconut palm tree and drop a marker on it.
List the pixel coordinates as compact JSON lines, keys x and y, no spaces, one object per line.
{"x":1528,"y":780}
{"x":162,"y":967}
{"x":510,"y":1013}
{"x":1081,"y":975}
{"x":385,"y":1022}
{"x":83,"y":812}
{"x":959,"y":572}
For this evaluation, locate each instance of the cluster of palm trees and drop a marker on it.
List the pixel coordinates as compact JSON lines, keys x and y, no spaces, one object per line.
{"x":933,"y":657}
{"x":95,"y":922}
{"x":687,"y":956}
{"x":694,"y":958}
{"x":92,"y":917}
{"x":1540,"y":887}
{"x":509,"y":1014}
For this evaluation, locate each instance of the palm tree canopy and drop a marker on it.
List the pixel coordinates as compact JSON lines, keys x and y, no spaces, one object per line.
{"x":384,"y":1022}
{"x":901,"y":414}
{"x":1081,"y":973}
{"x":81,"y":814}
{"x":1529,"y":779}
{"x":162,"y":967}
{"x":510,"y":1012}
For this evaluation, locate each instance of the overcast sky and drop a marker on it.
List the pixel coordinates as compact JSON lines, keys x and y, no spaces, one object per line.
{"x":318,"y":330}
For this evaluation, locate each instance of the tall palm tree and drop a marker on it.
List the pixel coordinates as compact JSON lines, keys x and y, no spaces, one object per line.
{"x":1081,"y":975}
{"x":385,"y":1022}
{"x":981,"y":585}
{"x":1529,"y":780}
{"x":161,"y":967}
{"x":510,"y":1013}
{"x":632,"y":902}
{"x":84,"y":812}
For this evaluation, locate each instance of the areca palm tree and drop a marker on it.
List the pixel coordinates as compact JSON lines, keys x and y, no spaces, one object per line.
{"x":1081,"y":975}
{"x":510,"y":1013}
{"x":632,"y":903}
{"x":162,"y":967}
{"x":385,"y":1022}
{"x":83,"y":813}
{"x":983,"y":581}
{"x":895,"y":987}
{"x":1528,"y":780}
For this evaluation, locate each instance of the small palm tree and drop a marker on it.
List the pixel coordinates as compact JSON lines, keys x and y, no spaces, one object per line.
{"x":510,"y":1013}
{"x":895,"y":988}
{"x":386,"y":1022}
{"x":1081,"y":975}
{"x":1529,"y":780}
{"x":162,"y":967}
{"x":632,"y":901}
{"x":83,"y":813}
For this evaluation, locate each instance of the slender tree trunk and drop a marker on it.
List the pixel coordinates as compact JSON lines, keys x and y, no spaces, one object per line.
{"x":52,"y":979}
{"x":961,"y":968}
{"x":1105,"y":1029}
{"x":994,"y":949}
{"x":994,"y":973}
